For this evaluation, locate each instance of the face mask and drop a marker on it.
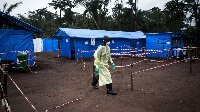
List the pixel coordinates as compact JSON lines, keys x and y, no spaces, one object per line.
{"x":108,"y":43}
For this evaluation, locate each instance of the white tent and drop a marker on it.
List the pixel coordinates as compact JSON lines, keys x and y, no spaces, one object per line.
{"x":38,"y":45}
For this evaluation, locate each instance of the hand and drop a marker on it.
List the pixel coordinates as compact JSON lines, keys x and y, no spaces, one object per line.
{"x":113,"y":66}
{"x":97,"y":70}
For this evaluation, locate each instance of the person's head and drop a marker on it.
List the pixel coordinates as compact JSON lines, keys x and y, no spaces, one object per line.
{"x":106,"y":40}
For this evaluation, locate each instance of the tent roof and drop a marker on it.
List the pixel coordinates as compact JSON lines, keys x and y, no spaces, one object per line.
{"x":87,"y":33}
{"x":174,"y":35}
{"x":16,"y":23}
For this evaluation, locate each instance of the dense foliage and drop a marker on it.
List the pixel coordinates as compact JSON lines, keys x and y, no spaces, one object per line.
{"x":178,"y":15}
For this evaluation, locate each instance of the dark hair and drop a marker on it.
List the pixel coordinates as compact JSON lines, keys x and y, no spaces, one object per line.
{"x":106,"y":38}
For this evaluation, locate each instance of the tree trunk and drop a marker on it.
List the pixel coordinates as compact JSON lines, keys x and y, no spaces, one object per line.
{"x":91,"y":15}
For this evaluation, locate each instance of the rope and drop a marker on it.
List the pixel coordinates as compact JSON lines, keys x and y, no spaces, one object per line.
{"x":22,"y":93}
{"x":158,"y":66}
{"x":62,"y":105}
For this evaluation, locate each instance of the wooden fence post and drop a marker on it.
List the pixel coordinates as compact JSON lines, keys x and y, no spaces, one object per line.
{"x":190,"y":61}
{"x":131,"y":76}
{"x":131,"y":73}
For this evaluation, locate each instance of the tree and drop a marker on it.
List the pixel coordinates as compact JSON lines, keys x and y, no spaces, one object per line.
{"x":142,"y":21}
{"x":103,"y":15}
{"x":193,"y":9}
{"x":44,"y":20}
{"x":117,"y":14}
{"x":9,"y":9}
{"x":61,"y":4}
{"x":95,"y":8}
{"x":157,"y":20}
{"x":68,"y":17}
{"x":193,"y":6}
{"x":133,"y":17}
{"x":125,"y":17}
{"x":152,"y":20}
{"x":175,"y":16}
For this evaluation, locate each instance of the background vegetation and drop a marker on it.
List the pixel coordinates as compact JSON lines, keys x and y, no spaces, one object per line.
{"x":178,"y":15}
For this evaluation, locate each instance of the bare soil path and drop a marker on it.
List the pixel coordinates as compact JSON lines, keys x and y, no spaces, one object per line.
{"x":56,"y":81}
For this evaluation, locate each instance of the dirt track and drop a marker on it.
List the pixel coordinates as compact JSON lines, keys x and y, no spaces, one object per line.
{"x":56,"y":81}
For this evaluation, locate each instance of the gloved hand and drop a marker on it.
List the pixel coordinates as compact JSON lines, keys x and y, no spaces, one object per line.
{"x":97,"y":70}
{"x":113,"y":66}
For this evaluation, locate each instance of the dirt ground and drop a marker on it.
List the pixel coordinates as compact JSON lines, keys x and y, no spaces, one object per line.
{"x":55,"y":81}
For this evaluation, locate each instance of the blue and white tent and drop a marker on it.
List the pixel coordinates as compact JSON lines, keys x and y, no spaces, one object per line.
{"x":16,"y":40}
{"x":164,"y":41}
{"x":45,"y":44}
{"x":72,"y":41}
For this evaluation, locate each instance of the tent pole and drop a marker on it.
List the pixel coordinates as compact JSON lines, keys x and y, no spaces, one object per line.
{"x":77,"y":54}
{"x":121,"y":55}
{"x":198,"y":49}
{"x":198,"y":52}
{"x":59,"y":47}
{"x":170,"y":54}
{"x":176,"y":49}
{"x":163,"y":51}
{"x":190,"y":61}
{"x":158,"y":50}
{"x":167,"y":54}
{"x":153,"y":54}
{"x":188,"y":55}
{"x":81,"y":60}
{"x":145,"y":57}
{"x":195,"y":51}
{"x":1,"y":92}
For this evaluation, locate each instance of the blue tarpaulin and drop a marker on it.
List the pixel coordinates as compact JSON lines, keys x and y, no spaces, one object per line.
{"x":157,"y":42}
{"x":19,"y":39}
{"x":163,"y":41}
{"x":13,"y":42}
{"x":87,"y":33}
{"x":72,"y":41}
{"x":50,"y":45}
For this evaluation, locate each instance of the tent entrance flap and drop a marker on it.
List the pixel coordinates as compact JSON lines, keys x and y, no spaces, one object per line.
{"x":72,"y":54}
{"x":72,"y":48}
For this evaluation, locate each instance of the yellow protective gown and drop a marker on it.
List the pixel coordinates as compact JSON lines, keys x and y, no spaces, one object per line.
{"x":102,"y":56}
